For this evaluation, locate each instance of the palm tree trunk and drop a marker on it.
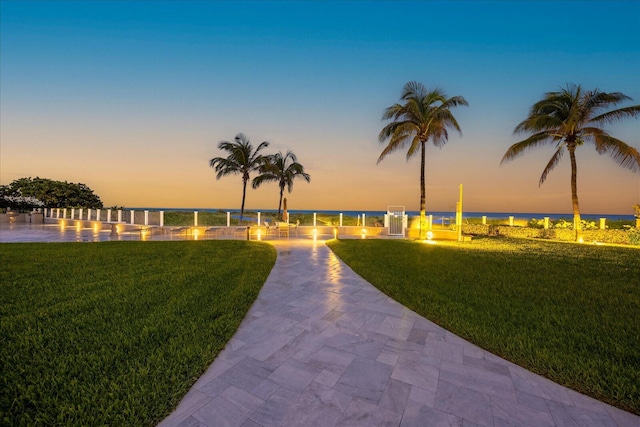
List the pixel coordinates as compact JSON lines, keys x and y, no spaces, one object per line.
{"x":577,"y":223}
{"x":280,"y":202}
{"x":423,"y":210}
{"x":244,"y":193}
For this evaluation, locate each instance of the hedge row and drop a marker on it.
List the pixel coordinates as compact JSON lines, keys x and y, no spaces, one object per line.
{"x":629,"y":236}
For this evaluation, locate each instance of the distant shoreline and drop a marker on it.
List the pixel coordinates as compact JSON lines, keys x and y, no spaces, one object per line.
{"x":436,"y":214}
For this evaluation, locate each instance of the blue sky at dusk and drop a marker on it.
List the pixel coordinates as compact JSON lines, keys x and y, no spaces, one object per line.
{"x":131,"y":98}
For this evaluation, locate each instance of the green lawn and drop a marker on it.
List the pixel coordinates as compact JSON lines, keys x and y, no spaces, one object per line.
{"x":115,"y":333}
{"x":568,"y":312}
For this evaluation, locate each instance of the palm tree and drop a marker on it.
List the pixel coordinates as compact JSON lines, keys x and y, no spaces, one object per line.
{"x":424,"y":115}
{"x":569,"y":118}
{"x":242,"y":160}
{"x":283,"y":169}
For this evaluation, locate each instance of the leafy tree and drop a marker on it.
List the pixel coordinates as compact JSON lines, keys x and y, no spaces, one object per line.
{"x":242,"y":160}
{"x":424,"y":115}
{"x":569,"y":118}
{"x":54,"y":194}
{"x":283,"y":169}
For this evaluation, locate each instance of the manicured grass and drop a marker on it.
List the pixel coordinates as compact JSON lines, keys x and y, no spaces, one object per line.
{"x":115,"y":333}
{"x":568,"y":312}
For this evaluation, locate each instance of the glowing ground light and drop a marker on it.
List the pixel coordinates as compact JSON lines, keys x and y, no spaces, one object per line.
{"x":430,"y":240}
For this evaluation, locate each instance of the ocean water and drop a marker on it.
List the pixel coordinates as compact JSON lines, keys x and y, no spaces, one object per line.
{"x":436,"y":214}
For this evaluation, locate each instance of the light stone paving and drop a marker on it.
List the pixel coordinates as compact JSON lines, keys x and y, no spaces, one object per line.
{"x":322,"y":347}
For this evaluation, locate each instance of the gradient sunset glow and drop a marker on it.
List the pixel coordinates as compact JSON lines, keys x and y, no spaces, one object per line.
{"x":132,"y":98}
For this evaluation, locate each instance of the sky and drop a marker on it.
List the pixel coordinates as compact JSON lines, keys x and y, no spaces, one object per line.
{"x":132,"y":98}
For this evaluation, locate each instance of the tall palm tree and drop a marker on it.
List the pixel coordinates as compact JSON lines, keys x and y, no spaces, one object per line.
{"x":283,"y":169}
{"x":242,"y":160}
{"x":424,"y":115}
{"x":569,"y":118}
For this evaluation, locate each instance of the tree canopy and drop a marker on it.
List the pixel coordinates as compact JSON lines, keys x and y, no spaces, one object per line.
{"x":569,"y":118}
{"x":424,"y":115}
{"x":283,"y":169}
{"x":52,"y":194}
{"x":241,"y":160}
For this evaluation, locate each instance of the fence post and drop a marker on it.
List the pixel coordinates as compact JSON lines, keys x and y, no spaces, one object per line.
{"x":195,"y":218}
{"x":89,"y":214}
{"x":108,"y":215}
{"x":73,"y":213}
{"x":98,"y":215}
{"x":161,"y":218}
{"x":484,"y":220}
{"x":546,"y":222}
{"x":133,"y":216}
{"x":602,"y":223}
{"x":228,"y":219}
{"x":430,"y":222}
{"x":146,"y":217}
{"x":258,"y":219}
{"x":314,"y":219}
{"x":511,"y":221}
{"x":119,"y":215}
{"x":340,"y":219}
{"x":364,"y":223}
{"x":64,"y":213}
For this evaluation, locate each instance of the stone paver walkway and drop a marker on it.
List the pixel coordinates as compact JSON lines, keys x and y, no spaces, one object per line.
{"x":322,"y":347}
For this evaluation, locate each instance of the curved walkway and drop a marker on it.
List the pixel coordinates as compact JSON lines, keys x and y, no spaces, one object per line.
{"x":322,"y":347}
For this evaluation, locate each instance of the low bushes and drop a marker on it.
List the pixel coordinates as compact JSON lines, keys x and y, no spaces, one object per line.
{"x":617,"y":236}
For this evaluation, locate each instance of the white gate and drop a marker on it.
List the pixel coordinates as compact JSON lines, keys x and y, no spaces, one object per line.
{"x":395,"y":220}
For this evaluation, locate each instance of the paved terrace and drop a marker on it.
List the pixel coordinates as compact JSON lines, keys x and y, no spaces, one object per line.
{"x":322,"y":347}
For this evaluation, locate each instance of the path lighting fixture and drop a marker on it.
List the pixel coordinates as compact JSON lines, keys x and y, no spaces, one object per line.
{"x":429,"y":239}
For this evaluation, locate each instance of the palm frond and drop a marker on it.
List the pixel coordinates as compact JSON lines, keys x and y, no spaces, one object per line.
{"x":555,"y":159}
{"x":617,"y":115}
{"x":260,"y":179}
{"x":399,"y":133}
{"x":535,"y":140}
{"x":416,"y":143}
{"x":622,"y":153}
